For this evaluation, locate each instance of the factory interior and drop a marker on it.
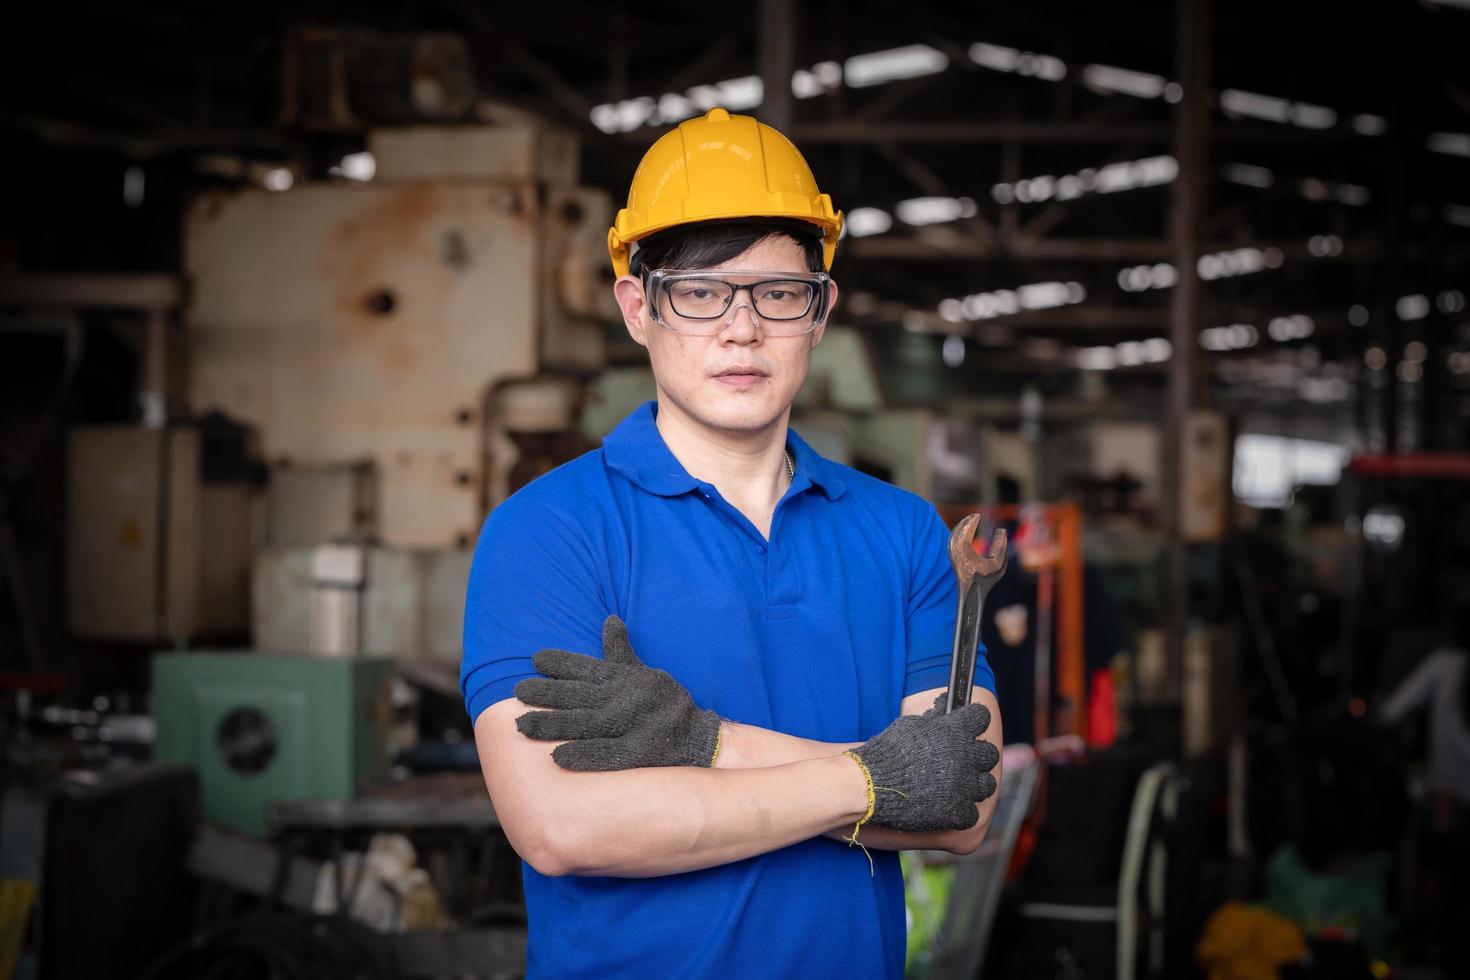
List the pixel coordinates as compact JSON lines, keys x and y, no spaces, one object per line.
{"x":293,"y":296}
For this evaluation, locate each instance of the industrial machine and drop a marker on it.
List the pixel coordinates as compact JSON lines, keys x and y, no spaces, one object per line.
{"x":264,"y":727}
{"x":369,"y":322}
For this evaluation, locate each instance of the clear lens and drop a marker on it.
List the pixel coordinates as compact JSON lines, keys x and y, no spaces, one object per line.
{"x":784,"y":299}
{"x":700,"y":299}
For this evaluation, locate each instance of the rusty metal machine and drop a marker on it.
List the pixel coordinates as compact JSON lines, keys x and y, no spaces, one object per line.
{"x":351,"y":322}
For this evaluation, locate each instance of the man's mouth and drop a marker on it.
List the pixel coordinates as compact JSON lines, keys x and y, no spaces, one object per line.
{"x":741,"y":377}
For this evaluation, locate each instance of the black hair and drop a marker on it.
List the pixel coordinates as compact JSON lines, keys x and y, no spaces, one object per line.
{"x":706,"y":243}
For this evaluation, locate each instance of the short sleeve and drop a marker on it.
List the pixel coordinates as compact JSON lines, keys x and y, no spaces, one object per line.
{"x":933,"y":597}
{"x":534,"y":583}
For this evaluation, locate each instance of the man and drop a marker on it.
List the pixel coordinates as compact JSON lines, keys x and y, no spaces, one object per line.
{"x":682,"y":802}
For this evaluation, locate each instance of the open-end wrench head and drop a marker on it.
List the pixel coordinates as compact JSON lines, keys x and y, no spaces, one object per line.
{"x":968,"y":563}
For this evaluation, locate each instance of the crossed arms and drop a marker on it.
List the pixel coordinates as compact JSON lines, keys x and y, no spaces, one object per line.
{"x":766,"y":791}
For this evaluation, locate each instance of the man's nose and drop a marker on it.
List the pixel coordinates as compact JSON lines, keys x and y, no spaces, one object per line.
{"x":742,"y":329}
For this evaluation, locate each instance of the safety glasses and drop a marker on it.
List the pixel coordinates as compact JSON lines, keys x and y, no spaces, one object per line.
{"x":703,"y":303}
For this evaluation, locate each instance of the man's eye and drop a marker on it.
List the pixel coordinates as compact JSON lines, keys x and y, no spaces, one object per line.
{"x":780,"y":295}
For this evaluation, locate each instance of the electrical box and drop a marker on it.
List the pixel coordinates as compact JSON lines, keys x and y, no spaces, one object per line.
{"x":154,"y":552}
{"x":263,"y":727}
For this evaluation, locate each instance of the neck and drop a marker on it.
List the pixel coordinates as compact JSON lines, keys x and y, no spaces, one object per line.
{"x":747,"y":467}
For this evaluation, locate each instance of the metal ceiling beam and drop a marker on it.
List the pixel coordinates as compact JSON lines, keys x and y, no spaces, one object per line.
{"x":1060,"y":133}
{"x":1084,"y":249}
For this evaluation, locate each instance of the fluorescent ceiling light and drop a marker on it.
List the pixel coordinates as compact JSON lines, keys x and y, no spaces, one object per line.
{"x":867,"y":221}
{"x":820,"y":79}
{"x":1295,"y":327}
{"x":1255,"y":105}
{"x":1237,"y":336}
{"x":277,"y":179}
{"x":1140,"y":85}
{"x":1097,"y":358}
{"x":995,"y":57}
{"x":359,"y":166}
{"x":910,"y":61}
{"x":1415,"y":307}
{"x":1453,"y":144}
{"x":1313,"y":116}
{"x":1370,"y":125}
{"x":999,"y":58}
{"x":932,"y":210}
{"x":1247,"y":174}
{"x":1005,"y":302}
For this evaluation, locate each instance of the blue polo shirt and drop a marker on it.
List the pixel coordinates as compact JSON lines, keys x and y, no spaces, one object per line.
{"x":818,"y":632}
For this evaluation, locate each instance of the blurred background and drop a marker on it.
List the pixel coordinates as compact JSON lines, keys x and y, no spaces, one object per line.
{"x":292,"y":295}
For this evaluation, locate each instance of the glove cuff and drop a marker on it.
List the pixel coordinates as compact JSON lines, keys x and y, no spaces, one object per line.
{"x":719,"y":738}
{"x":706,"y":745}
{"x":872,"y":792}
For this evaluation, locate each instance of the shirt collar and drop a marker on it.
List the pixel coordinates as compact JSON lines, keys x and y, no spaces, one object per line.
{"x":637,"y":450}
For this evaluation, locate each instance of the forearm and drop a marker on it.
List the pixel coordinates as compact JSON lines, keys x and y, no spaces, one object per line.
{"x":751,"y":747}
{"x":655,"y":820}
{"x":646,"y":822}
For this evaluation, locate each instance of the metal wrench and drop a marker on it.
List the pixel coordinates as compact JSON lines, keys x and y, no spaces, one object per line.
{"x":976,"y":574}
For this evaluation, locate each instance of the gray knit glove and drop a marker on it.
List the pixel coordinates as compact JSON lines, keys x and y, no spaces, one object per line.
{"x":928,"y":771}
{"x":614,"y":713}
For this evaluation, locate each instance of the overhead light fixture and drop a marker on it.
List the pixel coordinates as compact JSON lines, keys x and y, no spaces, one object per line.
{"x":1453,"y":144}
{"x":1414,"y":307}
{"x":1272,"y":109}
{"x":1005,"y":302}
{"x":895,"y":64}
{"x":867,"y":221}
{"x":821,"y":78}
{"x":1097,"y":358}
{"x":279,"y":179}
{"x":933,"y":210}
{"x":358,"y":166}
{"x":1013,"y":61}
{"x":1247,"y":174}
{"x":1124,"y":81}
{"x":1236,"y":336}
{"x":1287,"y":328}
{"x":1124,"y":175}
{"x":1370,"y":125}
{"x":1130,"y":353}
{"x":1324,"y":246}
{"x":132,"y":187}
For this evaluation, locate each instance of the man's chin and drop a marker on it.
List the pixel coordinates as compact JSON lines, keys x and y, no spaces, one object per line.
{"x":739,"y":416}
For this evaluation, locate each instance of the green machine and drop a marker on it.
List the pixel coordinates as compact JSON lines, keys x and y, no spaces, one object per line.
{"x":261,"y":727}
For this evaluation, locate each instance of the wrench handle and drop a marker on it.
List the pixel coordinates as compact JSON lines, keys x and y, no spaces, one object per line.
{"x":966,"y":640}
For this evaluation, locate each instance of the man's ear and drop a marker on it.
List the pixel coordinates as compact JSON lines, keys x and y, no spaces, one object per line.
{"x":633,"y":302}
{"x":821,"y":328}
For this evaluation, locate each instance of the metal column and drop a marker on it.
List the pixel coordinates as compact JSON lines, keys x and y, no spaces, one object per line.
{"x":777,"y":58}
{"x":1191,"y":149}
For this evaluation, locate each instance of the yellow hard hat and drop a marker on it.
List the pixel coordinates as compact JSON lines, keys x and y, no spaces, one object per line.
{"x":720,"y":166}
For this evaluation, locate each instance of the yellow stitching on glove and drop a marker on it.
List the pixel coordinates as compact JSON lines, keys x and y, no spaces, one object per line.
{"x":872,"y":804}
{"x":719,"y":736}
